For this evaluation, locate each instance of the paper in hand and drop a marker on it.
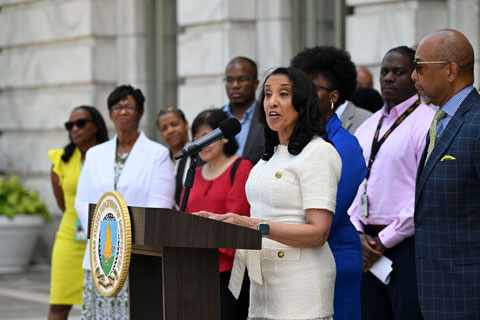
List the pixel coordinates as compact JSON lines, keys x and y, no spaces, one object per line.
{"x":382,"y":269}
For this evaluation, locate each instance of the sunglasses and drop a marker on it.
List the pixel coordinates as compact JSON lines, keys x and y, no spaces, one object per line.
{"x":418,"y":65}
{"x":80,"y":123}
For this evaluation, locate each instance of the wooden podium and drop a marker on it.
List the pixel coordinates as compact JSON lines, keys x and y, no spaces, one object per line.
{"x":174,"y":271}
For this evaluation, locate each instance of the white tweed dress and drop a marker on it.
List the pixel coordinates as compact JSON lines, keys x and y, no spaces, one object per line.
{"x":288,"y":282}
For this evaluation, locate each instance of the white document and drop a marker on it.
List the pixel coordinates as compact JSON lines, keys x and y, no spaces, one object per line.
{"x":382,"y":269}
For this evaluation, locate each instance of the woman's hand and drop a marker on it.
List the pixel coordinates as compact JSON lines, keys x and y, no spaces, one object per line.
{"x":313,"y":233}
{"x":204,"y":214}
{"x":232,"y":218}
{"x":239,"y":220}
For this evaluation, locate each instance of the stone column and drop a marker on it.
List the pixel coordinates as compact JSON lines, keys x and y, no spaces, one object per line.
{"x":54,"y":57}
{"x":212,"y":32}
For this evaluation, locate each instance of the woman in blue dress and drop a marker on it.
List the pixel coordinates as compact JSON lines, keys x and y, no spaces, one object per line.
{"x":334,"y":75}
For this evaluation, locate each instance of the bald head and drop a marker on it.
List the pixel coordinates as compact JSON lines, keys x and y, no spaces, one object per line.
{"x":444,"y":65}
{"x":451,"y":45}
{"x":364,"y":78}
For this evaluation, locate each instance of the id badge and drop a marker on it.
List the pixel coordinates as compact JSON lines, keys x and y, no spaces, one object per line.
{"x":80,"y":234}
{"x":364,"y":206}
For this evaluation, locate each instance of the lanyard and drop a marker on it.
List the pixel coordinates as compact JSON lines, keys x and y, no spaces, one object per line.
{"x":376,"y":144}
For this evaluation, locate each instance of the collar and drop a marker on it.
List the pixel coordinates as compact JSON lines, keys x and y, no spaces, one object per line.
{"x":139,"y":141}
{"x":400,"y":108}
{"x":452,"y":105}
{"x":341,"y":108}
{"x":333,"y":125}
{"x":247,"y":115}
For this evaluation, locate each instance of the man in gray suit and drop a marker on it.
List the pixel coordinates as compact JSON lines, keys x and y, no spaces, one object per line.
{"x":352,"y":116}
{"x":241,"y":81}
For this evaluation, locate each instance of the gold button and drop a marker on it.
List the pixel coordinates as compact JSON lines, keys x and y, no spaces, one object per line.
{"x":280,"y":254}
{"x":278,"y":174}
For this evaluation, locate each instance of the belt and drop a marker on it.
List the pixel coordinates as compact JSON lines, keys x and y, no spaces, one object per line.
{"x":374,"y":227}
{"x":245,"y":258}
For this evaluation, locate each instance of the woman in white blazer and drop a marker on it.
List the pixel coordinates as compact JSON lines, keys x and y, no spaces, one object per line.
{"x":131,"y":164}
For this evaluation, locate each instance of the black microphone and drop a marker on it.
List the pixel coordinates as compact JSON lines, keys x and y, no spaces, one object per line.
{"x":228,"y":128}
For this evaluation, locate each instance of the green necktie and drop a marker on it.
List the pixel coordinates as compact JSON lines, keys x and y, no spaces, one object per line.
{"x":439,"y":115}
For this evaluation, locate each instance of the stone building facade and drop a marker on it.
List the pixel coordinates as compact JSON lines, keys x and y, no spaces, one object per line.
{"x":58,"y":54}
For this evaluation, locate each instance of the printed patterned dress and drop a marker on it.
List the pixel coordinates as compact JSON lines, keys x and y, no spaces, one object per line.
{"x":96,"y":306}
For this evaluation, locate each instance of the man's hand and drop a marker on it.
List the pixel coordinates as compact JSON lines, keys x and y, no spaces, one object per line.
{"x":372,"y":250}
{"x":379,"y":245}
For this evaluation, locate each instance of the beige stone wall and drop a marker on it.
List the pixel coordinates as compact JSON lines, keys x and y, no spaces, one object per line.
{"x":378,"y":25}
{"x":212,"y":32}
{"x":56,"y":55}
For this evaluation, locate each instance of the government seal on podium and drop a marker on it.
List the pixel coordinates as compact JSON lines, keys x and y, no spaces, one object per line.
{"x":110,"y":243}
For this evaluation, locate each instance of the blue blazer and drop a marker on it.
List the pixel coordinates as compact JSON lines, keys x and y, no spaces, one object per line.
{"x":344,"y":240}
{"x":447,"y":219}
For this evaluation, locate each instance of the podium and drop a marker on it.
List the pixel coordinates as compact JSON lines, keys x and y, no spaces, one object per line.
{"x":174,"y":271}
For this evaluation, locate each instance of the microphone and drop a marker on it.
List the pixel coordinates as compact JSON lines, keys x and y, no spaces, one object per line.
{"x":228,"y":128}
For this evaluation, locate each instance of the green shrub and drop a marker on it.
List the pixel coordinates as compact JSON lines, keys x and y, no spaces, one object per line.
{"x":16,"y":199}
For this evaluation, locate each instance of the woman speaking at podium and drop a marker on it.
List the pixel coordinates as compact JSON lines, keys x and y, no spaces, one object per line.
{"x":131,"y":164}
{"x":292,"y":193}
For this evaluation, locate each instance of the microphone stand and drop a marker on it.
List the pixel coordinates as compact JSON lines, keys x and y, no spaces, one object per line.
{"x":189,"y":181}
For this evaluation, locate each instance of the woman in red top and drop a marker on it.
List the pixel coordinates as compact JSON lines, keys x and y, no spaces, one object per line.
{"x":219,"y":187}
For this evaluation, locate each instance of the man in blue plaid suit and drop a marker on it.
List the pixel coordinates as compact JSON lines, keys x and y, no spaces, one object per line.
{"x":447,"y":199}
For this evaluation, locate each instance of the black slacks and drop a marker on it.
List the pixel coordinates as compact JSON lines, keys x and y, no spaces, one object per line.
{"x":232,"y":309}
{"x":397,"y":300}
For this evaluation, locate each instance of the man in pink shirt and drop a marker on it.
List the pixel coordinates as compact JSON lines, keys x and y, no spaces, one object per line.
{"x":393,"y":140}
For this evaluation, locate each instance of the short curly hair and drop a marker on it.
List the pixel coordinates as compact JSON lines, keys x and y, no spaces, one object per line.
{"x":121,"y":93}
{"x":404,"y":50}
{"x":334,"y":64}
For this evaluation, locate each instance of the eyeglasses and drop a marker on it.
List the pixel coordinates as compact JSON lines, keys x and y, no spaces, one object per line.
{"x":80,"y":123}
{"x":240,"y":80}
{"x":318,"y":86}
{"x":128,"y":107}
{"x":417,"y":65}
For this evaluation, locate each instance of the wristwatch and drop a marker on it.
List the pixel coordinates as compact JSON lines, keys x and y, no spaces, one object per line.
{"x":264,"y":228}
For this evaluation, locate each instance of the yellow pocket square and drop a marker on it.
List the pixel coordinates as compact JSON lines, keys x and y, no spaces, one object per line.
{"x":446,"y":158}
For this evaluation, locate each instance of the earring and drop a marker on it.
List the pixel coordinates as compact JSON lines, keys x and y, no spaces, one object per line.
{"x":331,"y":105}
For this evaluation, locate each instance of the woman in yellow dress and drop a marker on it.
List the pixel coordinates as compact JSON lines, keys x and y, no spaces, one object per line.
{"x":86,"y":128}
